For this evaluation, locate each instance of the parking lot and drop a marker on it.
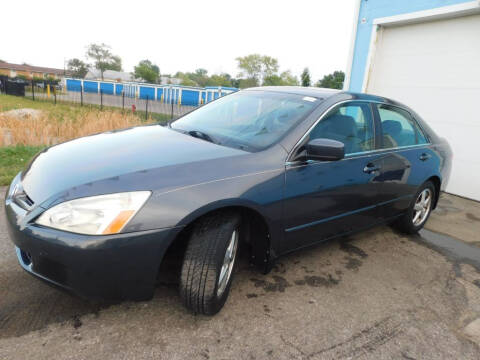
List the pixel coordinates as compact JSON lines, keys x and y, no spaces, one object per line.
{"x":377,"y":294}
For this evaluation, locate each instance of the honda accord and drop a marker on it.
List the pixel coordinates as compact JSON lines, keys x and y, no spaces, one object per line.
{"x":270,"y":169}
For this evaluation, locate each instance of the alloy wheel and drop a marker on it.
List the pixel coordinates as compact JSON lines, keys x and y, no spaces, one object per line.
{"x":228,"y":262}
{"x":422,"y":206}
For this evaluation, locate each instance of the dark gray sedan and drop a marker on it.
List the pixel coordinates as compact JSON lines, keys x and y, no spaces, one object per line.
{"x":269,"y":169}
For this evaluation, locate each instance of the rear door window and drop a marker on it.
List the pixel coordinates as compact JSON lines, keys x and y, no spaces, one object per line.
{"x":399,"y":128}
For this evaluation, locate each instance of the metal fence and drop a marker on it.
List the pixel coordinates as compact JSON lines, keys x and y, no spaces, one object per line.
{"x":161,"y":109}
{"x":162,"y":102}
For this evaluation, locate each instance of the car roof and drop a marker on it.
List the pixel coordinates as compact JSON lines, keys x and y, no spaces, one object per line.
{"x":323,"y":93}
{"x":298,"y":90}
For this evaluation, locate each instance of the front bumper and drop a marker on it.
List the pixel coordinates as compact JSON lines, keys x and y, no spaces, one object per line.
{"x":113,"y":267}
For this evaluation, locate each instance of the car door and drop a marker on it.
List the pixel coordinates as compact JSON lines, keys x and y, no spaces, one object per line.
{"x":328,"y":198}
{"x":406,"y":158}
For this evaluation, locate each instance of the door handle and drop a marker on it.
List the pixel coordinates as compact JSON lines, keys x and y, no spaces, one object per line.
{"x":425,"y":157}
{"x":370,"y":168}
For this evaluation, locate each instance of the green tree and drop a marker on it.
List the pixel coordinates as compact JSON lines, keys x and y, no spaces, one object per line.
{"x":200,"y":77}
{"x":284,"y":79}
{"x":52,"y":80}
{"x":197,"y":78}
{"x":220,"y":80}
{"x":257,"y":67}
{"x":305,"y":77}
{"x":246,"y":83}
{"x":332,"y":81}
{"x":188,"y":82}
{"x":77,"y":68}
{"x":288,"y":78}
{"x":201,"y":72}
{"x":250,"y":66}
{"x":185,"y":79}
{"x":235,"y":83}
{"x":147,"y":71}
{"x":103,"y":59}
{"x":270,"y":66}
{"x":273,"y":80}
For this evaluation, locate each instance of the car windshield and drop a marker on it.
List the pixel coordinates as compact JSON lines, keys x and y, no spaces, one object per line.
{"x":249,"y":120}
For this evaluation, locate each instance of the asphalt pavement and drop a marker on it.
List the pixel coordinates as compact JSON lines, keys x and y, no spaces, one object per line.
{"x":378,"y":295}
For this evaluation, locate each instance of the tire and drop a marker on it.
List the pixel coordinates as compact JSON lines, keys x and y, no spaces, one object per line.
{"x":407,"y":224}
{"x":201,"y":289}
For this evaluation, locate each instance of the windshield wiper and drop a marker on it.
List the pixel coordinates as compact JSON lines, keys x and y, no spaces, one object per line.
{"x":201,"y":135}
{"x":197,"y":134}
{"x":228,"y":142}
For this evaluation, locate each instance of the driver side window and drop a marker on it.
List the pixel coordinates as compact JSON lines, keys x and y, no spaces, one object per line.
{"x":351,"y":124}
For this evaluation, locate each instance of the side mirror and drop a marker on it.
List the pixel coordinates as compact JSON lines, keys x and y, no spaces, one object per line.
{"x":325,"y":150}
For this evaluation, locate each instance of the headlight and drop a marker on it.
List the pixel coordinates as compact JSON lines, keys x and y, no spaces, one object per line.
{"x":103,"y":214}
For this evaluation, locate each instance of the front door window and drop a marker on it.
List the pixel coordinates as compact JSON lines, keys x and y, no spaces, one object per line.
{"x":351,"y":124}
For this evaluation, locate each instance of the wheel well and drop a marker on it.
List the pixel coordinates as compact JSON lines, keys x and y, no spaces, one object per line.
{"x":255,"y":239}
{"x":437,"y":183}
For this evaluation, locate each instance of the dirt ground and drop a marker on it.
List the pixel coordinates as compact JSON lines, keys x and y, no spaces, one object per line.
{"x":377,"y":295}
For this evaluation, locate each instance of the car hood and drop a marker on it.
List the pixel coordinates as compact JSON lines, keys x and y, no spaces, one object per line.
{"x":110,"y":155}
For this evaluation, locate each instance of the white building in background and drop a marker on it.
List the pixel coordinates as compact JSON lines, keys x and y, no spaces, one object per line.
{"x":109,"y":75}
{"x":165,"y":80}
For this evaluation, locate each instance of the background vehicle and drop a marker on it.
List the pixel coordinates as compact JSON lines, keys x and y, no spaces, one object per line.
{"x":274,"y":169}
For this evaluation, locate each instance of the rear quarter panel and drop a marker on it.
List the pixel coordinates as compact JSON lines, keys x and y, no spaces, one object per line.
{"x":445,"y":155}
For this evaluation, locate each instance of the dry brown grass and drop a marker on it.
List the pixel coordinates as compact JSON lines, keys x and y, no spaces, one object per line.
{"x":46,"y":130}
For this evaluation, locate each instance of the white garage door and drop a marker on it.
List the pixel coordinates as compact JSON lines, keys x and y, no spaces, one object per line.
{"x":434,"y":68}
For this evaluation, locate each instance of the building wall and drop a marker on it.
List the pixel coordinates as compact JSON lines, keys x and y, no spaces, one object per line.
{"x":27,"y":74}
{"x":21,"y":73}
{"x":372,"y":9}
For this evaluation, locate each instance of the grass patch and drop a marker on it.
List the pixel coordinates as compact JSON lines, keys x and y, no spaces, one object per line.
{"x":59,"y":112}
{"x":70,"y":110}
{"x":14,"y":159}
{"x":53,"y":124}
{"x":160,"y":118}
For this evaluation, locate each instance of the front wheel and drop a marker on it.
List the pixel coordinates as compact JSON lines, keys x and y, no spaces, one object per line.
{"x":207,"y":268}
{"x":419,"y":211}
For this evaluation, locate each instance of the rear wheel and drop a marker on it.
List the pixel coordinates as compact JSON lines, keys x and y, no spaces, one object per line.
{"x":207,"y":268}
{"x":419,"y":211}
